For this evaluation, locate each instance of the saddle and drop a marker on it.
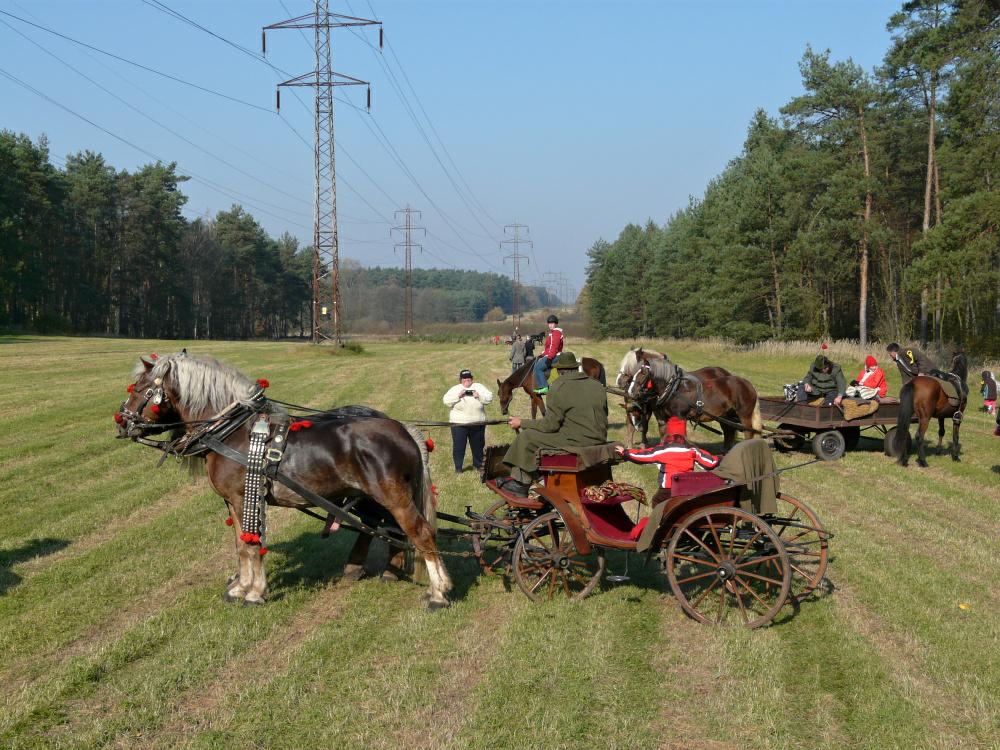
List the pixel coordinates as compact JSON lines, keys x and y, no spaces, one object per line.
{"x":953,"y":386}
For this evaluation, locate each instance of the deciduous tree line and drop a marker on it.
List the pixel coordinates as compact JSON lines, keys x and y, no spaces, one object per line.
{"x":91,"y":249}
{"x":870,"y":208}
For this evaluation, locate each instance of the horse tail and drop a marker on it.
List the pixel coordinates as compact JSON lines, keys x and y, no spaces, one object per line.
{"x":901,"y":438}
{"x":755,"y":420}
{"x":423,"y":488}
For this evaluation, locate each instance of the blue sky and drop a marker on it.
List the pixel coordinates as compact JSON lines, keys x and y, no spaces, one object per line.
{"x":574,"y":118}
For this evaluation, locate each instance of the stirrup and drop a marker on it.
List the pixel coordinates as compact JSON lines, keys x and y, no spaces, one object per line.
{"x":541,"y":391}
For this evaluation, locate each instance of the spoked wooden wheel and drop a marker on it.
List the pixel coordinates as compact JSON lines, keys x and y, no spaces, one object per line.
{"x":547,"y":564}
{"x":806,"y":543}
{"x":726,"y":565}
{"x":494,"y":543}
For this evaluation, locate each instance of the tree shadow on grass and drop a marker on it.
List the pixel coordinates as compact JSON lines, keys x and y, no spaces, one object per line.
{"x":11,"y":557}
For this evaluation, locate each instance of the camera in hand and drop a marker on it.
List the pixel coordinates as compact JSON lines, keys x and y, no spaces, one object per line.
{"x":470,"y":393}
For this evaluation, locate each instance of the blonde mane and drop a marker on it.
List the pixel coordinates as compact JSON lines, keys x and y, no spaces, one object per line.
{"x":204,"y":385}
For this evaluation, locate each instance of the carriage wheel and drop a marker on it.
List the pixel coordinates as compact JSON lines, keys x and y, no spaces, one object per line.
{"x":493,"y":545}
{"x":547,"y":564}
{"x":726,"y":565}
{"x":890,"y":435}
{"x":829,"y":445}
{"x":806,"y":543}
{"x":791,"y":443}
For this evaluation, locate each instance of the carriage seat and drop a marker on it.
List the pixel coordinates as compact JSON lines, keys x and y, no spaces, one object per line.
{"x":576,"y":459}
{"x":695,"y":483}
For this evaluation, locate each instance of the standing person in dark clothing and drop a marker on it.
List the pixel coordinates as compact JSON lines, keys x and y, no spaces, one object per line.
{"x":516,"y":356}
{"x":467,"y":402}
{"x":529,"y":348}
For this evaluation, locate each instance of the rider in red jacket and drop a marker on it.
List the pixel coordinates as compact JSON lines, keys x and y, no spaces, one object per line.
{"x":553,"y":346}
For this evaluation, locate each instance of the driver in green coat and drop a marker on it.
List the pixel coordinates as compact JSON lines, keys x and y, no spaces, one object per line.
{"x":576,"y":415}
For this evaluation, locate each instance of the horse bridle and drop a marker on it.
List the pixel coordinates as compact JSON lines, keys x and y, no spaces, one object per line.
{"x":134,"y":421}
{"x":670,"y":389}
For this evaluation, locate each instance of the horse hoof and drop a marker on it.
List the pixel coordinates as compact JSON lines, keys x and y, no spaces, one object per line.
{"x":231,"y":598}
{"x":253,"y":602}
{"x":354,"y":572}
{"x":956,"y":459}
{"x":433,"y":605}
{"x":922,"y":464}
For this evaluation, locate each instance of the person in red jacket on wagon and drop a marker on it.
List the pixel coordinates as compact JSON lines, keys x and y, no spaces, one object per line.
{"x":674,"y":456}
{"x":870,"y":382}
{"x":543,"y":363}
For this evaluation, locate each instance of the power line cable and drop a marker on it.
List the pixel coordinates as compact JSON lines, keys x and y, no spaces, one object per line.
{"x":137,"y":65}
{"x":430,"y":122}
{"x":192,"y":175}
{"x":159,"y":124}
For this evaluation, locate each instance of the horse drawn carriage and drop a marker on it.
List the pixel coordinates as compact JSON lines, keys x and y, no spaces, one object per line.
{"x":827,"y":428}
{"x":724,"y":562}
{"x":734,"y":548}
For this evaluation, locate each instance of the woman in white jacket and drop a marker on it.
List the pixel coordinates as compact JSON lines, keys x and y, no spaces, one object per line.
{"x":467,"y":402}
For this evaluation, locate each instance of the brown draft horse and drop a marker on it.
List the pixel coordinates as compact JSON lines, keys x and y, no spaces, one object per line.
{"x":701,"y":396}
{"x":348,"y":454}
{"x":925,"y":397}
{"x":524,"y":377}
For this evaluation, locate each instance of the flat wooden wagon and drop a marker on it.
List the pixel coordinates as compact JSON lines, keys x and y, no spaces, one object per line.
{"x":825,"y":426}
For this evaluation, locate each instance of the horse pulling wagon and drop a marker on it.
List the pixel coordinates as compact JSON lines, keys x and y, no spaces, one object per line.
{"x":724,"y":562}
{"x":734,"y":549}
{"x":827,"y":429}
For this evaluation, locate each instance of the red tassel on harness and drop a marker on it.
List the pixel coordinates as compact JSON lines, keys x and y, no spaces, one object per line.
{"x":306,"y":424}
{"x":119,"y":418}
{"x":430,"y":445}
{"x":263,"y":551}
{"x":154,"y":355}
{"x":263,"y":382}
{"x":249,"y":538}
{"x":130,"y":388}
{"x":824,"y":346}
{"x":229,"y":521}
{"x":155,"y":408}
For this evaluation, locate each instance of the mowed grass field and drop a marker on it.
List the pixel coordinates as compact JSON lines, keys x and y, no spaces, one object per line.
{"x":113,"y":632}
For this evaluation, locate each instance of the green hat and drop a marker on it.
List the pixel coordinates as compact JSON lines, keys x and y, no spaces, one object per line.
{"x":567,"y":361}
{"x":820,"y":362}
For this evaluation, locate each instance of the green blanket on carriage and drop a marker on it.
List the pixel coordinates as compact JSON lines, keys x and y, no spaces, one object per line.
{"x":747,"y":460}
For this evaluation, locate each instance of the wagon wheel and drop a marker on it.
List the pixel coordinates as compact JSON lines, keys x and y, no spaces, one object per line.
{"x":829,"y":445}
{"x":790,"y":443}
{"x":492,"y":546}
{"x":547,"y":564}
{"x":890,"y":435}
{"x":806,"y":542}
{"x":851,"y":437}
{"x":725,"y":564}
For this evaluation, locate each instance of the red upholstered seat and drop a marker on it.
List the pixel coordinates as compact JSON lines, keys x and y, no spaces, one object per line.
{"x":694,"y":483}
{"x":558,"y":461}
{"x":609,"y":521}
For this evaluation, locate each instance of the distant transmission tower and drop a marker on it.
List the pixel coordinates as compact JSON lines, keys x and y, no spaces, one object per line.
{"x":407,"y":243}
{"x":516,"y":258}
{"x":326,"y":312}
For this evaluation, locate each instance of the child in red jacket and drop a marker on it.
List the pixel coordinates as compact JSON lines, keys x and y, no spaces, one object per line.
{"x":870,"y":382}
{"x":674,"y":455}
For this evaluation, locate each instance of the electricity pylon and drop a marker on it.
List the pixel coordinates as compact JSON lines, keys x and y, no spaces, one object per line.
{"x":407,"y":243}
